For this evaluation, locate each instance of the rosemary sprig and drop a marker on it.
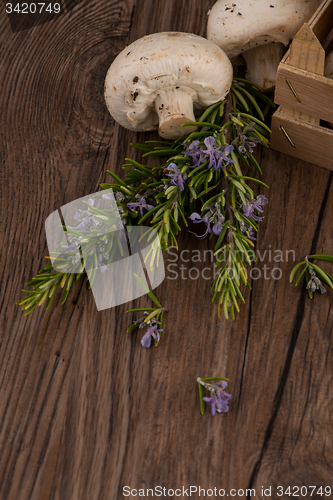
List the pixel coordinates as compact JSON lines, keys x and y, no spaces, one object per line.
{"x":152,"y":317}
{"x":200,"y":179}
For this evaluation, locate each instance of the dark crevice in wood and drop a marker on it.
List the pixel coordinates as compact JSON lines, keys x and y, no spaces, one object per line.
{"x":74,"y":302}
{"x":246,"y":343}
{"x":321,"y":214}
{"x":103,"y":169}
{"x":293,"y":340}
{"x":303,"y":416}
{"x":128,"y":434}
{"x":131,"y":18}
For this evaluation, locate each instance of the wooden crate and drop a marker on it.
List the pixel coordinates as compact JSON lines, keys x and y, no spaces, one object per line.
{"x":305,"y":96}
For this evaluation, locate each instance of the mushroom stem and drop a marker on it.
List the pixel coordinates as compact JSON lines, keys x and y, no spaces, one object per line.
{"x":174,"y":107}
{"x":262,"y":63}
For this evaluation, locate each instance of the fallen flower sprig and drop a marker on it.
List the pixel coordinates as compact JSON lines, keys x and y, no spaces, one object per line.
{"x":218,"y":399}
{"x":314,"y":274}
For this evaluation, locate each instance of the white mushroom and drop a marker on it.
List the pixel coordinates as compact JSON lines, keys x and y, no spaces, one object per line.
{"x":157,"y":80}
{"x":250,"y":28}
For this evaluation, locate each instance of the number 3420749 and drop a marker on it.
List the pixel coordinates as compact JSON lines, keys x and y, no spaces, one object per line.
{"x":32,"y":8}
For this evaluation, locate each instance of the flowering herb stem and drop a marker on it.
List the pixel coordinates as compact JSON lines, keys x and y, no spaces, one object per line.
{"x":314,"y":274}
{"x":152,"y":318}
{"x":219,"y":398}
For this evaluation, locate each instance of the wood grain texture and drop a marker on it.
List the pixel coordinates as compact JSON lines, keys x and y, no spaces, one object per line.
{"x":306,"y":53}
{"x":84,"y":408}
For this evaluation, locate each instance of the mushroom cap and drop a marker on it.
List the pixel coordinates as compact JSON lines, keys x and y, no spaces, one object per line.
{"x":244,"y":24}
{"x":158,"y":62}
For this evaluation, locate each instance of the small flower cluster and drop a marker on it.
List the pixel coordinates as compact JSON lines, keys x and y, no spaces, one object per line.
{"x":177,"y":178}
{"x":219,"y":397}
{"x":88,"y":222}
{"x":218,"y":156}
{"x":243,"y":143}
{"x":141,"y":204}
{"x":213,"y":216}
{"x":314,"y":283}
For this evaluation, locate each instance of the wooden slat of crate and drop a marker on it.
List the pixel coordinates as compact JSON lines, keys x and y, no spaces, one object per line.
{"x":315,"y":92}
{"x":321,"y":21}
{"x":297,"y":82}
{"x":311,"y":143}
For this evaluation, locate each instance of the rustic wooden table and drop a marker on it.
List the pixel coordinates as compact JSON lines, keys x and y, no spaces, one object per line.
{"x":85,"y":410}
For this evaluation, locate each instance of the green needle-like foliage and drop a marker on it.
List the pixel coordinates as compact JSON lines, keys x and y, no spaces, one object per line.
{"x":165,"y":196}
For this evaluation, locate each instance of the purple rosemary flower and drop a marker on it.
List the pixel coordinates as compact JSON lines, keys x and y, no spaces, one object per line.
{"x":141,"y":204}
{"x":216,"y":157}
{"x":217,"y":228}
{"x":255,"y":205}
{"x":211,"y":151}
{"x":224,"y":157}
{"x":259,"y":202}
{"x":220,"y":398}
{"x":151,"y":332}
{"x":213,"y":402}
{"x":176,"y":177}
{"x":220,"y":403}
{"x":223,"y":400}
{"x":196,"y":219}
